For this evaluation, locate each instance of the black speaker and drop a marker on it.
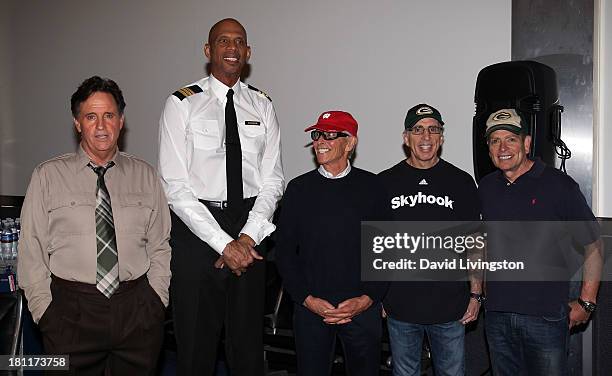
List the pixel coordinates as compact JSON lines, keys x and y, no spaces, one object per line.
{"x":530,"y":88}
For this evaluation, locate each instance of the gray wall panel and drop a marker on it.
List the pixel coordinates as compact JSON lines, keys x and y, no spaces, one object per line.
{"x":374,"y":59}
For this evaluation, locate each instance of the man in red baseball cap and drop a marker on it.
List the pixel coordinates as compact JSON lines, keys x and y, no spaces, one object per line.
{"x":334,"y":138}
{"x":321,"y":217}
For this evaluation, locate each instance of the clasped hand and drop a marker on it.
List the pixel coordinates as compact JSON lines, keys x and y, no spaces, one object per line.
{"x":342,"y":314}
{"x":238,"y":255}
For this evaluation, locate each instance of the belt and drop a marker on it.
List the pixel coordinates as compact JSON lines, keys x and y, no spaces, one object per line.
{"x":92,"y":289}
{"x":222,"y":205}
{"x":215,"y":204}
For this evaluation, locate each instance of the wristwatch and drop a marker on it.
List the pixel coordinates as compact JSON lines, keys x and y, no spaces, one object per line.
{"x":587,"y":306}
{"x":478,"y":297}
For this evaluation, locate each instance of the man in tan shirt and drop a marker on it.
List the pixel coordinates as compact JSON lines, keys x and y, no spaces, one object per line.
{"x":94,"y":258}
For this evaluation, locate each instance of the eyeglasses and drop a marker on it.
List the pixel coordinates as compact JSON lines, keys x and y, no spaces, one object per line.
{"x":434,"y":129}
{"x":329,"y":136}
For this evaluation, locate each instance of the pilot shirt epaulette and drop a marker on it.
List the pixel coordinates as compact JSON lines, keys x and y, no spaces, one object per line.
{"x":260,"y":92}
{"x":187,"y":91}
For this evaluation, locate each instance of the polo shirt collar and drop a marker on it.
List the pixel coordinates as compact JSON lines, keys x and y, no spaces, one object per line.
{"x":534,"y":172}
{"x":537,"y":169}
{"x":220,"y":89}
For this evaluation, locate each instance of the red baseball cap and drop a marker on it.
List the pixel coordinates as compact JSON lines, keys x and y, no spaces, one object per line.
{"x":335,"y":121}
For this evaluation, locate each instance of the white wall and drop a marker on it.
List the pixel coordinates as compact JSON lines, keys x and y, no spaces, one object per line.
{"x":603,"y":112}
{"x":374,"y":59}
{"x":7,"y":127}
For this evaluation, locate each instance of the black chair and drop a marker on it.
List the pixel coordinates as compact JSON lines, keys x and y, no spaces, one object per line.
{"x":11,"y":309}
{"x":279,"y":346}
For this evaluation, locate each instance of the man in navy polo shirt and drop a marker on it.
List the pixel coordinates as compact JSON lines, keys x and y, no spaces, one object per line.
{"x":527,"y":323}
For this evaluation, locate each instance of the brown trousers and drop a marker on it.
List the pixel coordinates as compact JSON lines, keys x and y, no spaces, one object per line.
{"x":117,"y":336}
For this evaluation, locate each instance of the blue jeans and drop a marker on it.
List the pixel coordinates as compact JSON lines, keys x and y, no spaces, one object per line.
{"x":524,"y":343}
{"x":446,"y":341}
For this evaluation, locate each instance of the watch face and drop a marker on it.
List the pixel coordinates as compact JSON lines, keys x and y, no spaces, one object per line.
{"x":478,"y":297}
{"x":588,"y":306}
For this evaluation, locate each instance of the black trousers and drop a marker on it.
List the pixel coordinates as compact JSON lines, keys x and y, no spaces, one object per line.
{"x":207,"y":300}
{"x":315,"y":342}
{"x":117,"y":336}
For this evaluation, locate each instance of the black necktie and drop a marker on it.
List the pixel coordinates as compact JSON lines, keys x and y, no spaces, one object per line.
{"x":233,"y":156}
{"x":107,"y":274}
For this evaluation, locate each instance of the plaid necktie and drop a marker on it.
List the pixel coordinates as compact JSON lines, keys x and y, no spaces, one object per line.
{"x":107,"y":273}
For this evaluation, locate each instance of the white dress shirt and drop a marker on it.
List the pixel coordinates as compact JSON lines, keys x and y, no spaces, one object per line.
{"x":329,"y":175}
{"x":192,"y":158}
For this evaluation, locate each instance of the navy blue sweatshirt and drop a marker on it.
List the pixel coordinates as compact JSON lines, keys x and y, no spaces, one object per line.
{"x":318,"y":239}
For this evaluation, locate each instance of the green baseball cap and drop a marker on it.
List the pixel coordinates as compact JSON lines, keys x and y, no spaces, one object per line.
{"x":421,"y":111}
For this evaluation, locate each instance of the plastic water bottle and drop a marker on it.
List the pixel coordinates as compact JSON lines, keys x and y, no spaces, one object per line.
{"x":6,"y":246}
{"x":15,"y":238}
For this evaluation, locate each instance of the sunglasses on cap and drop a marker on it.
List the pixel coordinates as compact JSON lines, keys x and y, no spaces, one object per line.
{"x":329,"y":136}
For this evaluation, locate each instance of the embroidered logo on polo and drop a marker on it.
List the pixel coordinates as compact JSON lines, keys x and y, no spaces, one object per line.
{"x":421,"y":198}
{"x":502,"y":116}
{"x":424,"y":111}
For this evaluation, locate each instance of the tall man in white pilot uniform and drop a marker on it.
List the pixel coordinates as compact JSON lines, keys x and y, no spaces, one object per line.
{"x":220,"y":163}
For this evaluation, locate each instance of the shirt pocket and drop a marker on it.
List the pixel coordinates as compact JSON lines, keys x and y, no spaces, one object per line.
{"x":72,"y":214}
{"x":206,"y":134}
{"x":134,"y":214}
{"x":254,"y":138}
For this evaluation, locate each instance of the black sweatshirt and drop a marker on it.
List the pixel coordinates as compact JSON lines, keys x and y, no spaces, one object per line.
{"x":318,"y":239}
{"x":430,"y":302}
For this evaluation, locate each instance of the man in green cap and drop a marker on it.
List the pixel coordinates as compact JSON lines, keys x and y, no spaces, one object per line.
{"x":439,"y":309}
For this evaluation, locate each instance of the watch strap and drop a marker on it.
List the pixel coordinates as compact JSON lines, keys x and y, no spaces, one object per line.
{"x":478,"y":297}
{"x":587,"y":306}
